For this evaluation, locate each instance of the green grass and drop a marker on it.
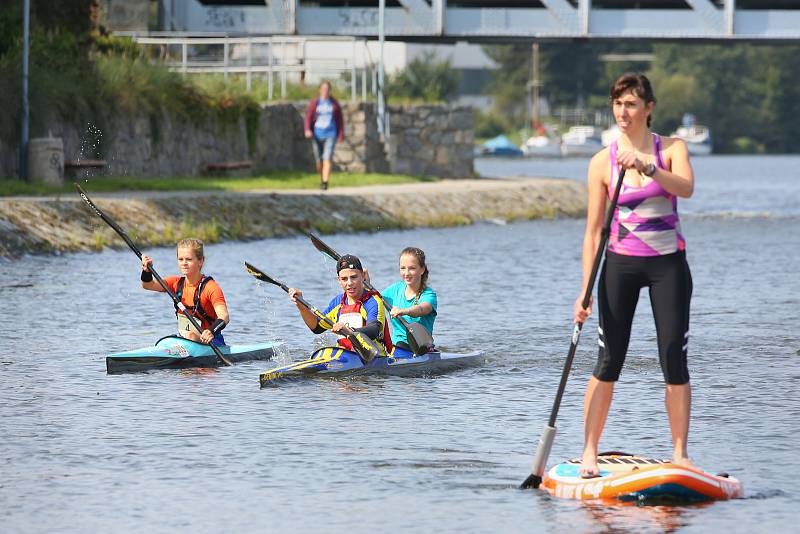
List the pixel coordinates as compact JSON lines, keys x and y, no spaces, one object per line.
{"x":274,"y":180}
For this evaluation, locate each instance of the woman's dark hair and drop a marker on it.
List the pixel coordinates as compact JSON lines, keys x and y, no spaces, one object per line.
{"x":637,"y":84}
{"x":420,"y":255}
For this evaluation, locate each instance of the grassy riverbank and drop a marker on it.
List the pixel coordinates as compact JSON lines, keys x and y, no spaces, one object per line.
{"x":273,"y":180}
{"x":65,"y":224}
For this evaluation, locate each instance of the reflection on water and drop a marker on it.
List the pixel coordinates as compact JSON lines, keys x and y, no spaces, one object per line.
{"x":627,"y":517}
{"x":210,"y":451}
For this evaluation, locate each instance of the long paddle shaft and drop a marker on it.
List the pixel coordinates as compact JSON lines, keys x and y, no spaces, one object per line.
{"x":365,"y":348}
{"x":549,"y":432}
{"x":419,"y":339}
{"x":109,"y":221}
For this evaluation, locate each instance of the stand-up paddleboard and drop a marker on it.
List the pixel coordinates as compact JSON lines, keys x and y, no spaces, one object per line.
{"x":629,"y":477}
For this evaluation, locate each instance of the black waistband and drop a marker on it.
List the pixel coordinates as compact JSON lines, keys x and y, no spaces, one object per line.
{"x":626,"y":258}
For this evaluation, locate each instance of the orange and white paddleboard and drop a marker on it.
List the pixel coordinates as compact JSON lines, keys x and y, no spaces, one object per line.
{"x":629,"y":477}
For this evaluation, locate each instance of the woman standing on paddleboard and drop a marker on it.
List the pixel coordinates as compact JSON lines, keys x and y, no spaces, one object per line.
{"x":645,"y":249}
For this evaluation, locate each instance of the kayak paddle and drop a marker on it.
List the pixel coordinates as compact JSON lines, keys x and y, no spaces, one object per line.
{"x":364,"y":346}
{"x":549,"y":432}
{"x":419,"y":339}
{"x":108,"y":220}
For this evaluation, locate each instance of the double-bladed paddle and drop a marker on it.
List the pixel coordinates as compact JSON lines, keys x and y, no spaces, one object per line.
{"x":419,"y":339}
{"x":549,"y":432}
{"x":364,"y":346}
{"x":109,"y":221}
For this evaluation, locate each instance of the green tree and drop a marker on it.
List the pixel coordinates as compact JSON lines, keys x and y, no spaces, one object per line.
{"x":572,"y":74}
{"x":738,"y":90}
{"x":509,"y":81}
{"x":425,"y":79}
{"x":780,"y":105}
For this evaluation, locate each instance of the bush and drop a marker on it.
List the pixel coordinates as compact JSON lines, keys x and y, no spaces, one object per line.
{"x":489,"y":124}
{"x":425,"y":79}
{"x":746,"y":145}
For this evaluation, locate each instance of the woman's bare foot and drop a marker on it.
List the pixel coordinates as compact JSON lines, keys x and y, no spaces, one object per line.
{"x":589,"y":468}
{"x":682,"y":461}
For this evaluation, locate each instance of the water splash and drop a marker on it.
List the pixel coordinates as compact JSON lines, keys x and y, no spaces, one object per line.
{"x":90,"y":149}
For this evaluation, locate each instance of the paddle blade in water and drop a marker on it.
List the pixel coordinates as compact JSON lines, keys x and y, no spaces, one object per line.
{"x":540,"y":459}
{"x":365,"y":347}
{"x":532,"y":482}
{"x":418,"y":335}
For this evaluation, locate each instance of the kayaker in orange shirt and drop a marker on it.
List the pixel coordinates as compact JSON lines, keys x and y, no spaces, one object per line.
{"x":200,"y":294}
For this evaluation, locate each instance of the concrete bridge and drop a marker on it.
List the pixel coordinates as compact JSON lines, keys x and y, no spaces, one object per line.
{"x":493,"y":20}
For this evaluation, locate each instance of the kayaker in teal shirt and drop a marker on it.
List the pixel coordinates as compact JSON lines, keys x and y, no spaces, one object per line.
{"x":411,"y":297}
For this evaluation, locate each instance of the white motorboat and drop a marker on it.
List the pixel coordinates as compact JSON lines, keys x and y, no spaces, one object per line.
{"x":581,"y":141}
{"x":697,"y":138}
{"x":542,"y":146}
{"x":610,"y":135}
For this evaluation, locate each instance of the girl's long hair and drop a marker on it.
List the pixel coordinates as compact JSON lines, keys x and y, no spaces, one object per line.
{"x":420,"y":256}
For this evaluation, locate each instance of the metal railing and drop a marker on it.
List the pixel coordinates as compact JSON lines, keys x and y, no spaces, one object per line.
{"x":284,"y":58}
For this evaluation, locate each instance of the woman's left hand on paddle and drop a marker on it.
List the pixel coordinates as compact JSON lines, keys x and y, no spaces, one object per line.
{"x":629,"y":160}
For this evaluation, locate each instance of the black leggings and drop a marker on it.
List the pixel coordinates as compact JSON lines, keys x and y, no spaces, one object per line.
{"x":670,"y":283}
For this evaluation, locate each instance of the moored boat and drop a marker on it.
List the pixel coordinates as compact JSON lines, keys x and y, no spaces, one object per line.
{"x":336,"y":362}
{"x":610,"y":134}
{"x":542,"y":146}
{"x":697,"y":137}
{"x":175,"y":352}
{"x":628,"y":477}
{"x":500,"y":146}
{"x":580,"y":141}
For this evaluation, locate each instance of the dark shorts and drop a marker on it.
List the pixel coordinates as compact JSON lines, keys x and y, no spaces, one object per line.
{"x":323,"y":148}
{"x":670,"y":284}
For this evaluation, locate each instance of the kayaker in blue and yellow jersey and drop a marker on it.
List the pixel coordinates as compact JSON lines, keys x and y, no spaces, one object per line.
{"x":411,"y":297}
{"x":354,"y":308}
{"x":200,"y":294}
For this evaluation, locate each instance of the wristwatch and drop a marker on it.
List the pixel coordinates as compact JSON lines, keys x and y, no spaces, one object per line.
{"x":650,"y":169}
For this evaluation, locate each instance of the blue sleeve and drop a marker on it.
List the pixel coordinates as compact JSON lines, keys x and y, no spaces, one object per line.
{"x":332,"y":304}
{"x":429,"y":296}
{"x":371,"y":307}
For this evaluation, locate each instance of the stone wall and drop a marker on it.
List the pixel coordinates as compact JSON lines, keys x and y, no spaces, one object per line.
{"x":432,"y":141}
{"x":425,"y":140}
{"x":362,"y":149}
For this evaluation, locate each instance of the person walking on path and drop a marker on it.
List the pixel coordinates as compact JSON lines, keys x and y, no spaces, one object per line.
{"x":324,"y":125}
{"x":645,"y":249}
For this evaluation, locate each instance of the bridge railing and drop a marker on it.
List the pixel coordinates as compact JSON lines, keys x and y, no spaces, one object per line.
{"x":480,"y":20}
{"x":277,"y":60}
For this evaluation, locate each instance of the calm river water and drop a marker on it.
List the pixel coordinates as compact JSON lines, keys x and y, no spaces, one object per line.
{"x":209,"y":451}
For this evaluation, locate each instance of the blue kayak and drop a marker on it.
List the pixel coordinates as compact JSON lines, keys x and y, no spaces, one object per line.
{"x":175,"y":352}
{"x":336,"y":362}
